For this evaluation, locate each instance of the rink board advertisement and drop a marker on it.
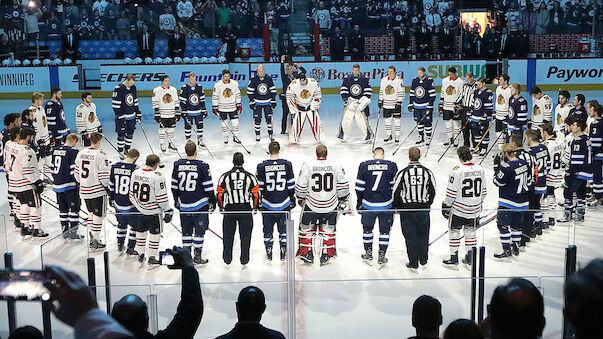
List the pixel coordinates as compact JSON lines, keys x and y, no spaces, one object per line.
{"x":24,"y":79}
{"x":569,"y":71}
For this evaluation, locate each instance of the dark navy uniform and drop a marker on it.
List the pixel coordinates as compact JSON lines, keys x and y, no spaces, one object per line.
{"x":596,"y":139}
{"x":518,"y":116}
{"x":125,"y":107}
{"x":65,"y":186}
{"x":55,"y":115}
{"x":119,"y":189}
{"x":262,"y":98}
{"x":541,"y":157}
{"x":422,"y":97}
{"x":277,"y":189}
{"x":578,"y":173}
{"x":578,"y":113}
{"x":374,"y":197}
{"x":356,"y":88}
{"x":481,"y":117}
{"x":192,"y":103}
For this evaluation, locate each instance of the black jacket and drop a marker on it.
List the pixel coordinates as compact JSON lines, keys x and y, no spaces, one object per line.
{"x":286,"y":50}
{"x":176,"y":47}
{"x":251,"y":330}
{"x":151,"y":42}
{"x":75,"y":41}
{"x":286,"y":80}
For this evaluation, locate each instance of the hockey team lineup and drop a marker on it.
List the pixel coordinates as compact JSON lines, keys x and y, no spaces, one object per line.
{"x":557,"y":151}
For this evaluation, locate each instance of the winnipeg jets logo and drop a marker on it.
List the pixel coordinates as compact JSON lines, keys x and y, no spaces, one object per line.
{"x":262,"y":89}
{"x":355,"y":90}
{"x":511,"y":113}
{"x":129,"y":99}
{"x":420,"y":92}
{"x":194,"y":99}
{"x":477,"y":104}
{"x":398,"y":17}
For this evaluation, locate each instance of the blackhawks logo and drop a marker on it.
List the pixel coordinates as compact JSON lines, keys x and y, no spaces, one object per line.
{"x":91,"y":117}
{"x":500,"y":99}
{"x":536,"y":110}
{"x":450,"y":90}
{"x":44,"y":123}
{"x":167,"y":98}
{"x":305,"y":94}
{"x":389,"y":90}
{"x":559,"y":119}
{"x":227,"y":93}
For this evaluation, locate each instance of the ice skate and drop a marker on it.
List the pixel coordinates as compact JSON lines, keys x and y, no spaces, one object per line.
{"x":130,"y":252}
{"x":567,"y":217}
{"x":413,"y":269}
{"x":596,"y":203}
{"x":73,"y":235}
{"x":505,"y":255}
{"x":326,"y":259}
{"x":397,"y":140}
{"x":308,"y":257}
{"x":257,"y":138}
{"x":96,"y":245}
{"x":172,"y":147}
{"x":420,"y":141}
{"x":39,"y":233}
{"x":122,"y":156}
{"x":225,"y":139}
{"x":515,"y":250}
{"x":141,"y":259}
{"x":283,"y":252}
{"x":447,"y":142}
{"x":367,"y":258}
{"x":388,"y":138}
{"x":551,"y":223}
{"x":200,"y":142}
{"x":452,"y":262}
{"x":153,"y":263}
{"x":381,"y":260}
{"x":163,"y":148}
{"x":198,"y":260}
{"x":25,"y":231}
{"x":269,"y":253}
{"x":579,"y":217}
{"x":467,"y":260}
{"x":236,"y":140}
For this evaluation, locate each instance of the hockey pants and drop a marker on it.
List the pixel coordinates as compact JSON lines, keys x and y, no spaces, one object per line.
{"x":299,"y":121}
{"x":270,"y":219}
{"x":368,"y":218}
{"x":195,"y":121}
{"x":69,"y":208}
{"x":125,"y":132}
{"x":257,"y":118}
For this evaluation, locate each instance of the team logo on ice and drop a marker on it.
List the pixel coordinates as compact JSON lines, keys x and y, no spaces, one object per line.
{"x":355,"y":90}
{"x":477,"y":104}
{"x":318,"y":74}
{"x":450,"y":90}
{"x":305,"y":94}
{"x":227,"y":93}
{"x":194,"y":99}
{"x":537,"y":110}
{"x":129,"y":99}
{"x":500,"y":99}
{"x":167,"y":98}
{"x":420,"y":92}
{"x":262,"y":89}
{"x":389,"y":90}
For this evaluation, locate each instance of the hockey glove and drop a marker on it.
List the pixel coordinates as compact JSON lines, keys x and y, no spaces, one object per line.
{"x":445,"y":211}
{"x":157,"y":115}
{"x":273,"y":104}
{"x":139,"y":116}
{"x":215,"y":110}
{"x":411,"y":108}
{"x":177,"y":205}
{"x":358,"y":205}
{"x":380,"y":104}
{"x":293,"y":204}
{"x":301,"y":203}
{"x":251,"y":106}
{"x":167,"y":215}
{"x":440,"y":107}
{"x":398,"y":108}
{"x":239,"y":109}
{"x":204,"y":114}
{"x":39,"y":186}
{"x":85,"y":136}
{"x":100,"y":129}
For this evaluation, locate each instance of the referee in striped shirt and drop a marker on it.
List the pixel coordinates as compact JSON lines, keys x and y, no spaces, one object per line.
{"x":238,"y":195}
{"x":466,"y":97}
{"x":414,"y":190}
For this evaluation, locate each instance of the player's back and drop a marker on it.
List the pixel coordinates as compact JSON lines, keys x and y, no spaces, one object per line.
{"x":512,"y":179}
{"x":467,"y":190}
{"x":92,"y":169}
{"x":556,"y":171}
{"x":121,"y":175}
{"x":322,"y":183}
{"x":540,"y":153}
{"x":147,"y":191}
{"x":63,"y":168}
{"x":22,"y":168}
{"x":375,"y":181}
{"x":277,"y":183}
{"x":192,"y":184}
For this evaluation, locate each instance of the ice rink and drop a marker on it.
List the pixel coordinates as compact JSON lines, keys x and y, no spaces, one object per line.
{"x":345,"y":299}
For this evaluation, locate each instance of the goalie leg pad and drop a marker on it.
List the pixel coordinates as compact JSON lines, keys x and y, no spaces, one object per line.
{"x":346,"y":121}
{"x":306,"y":238}
{"x":328,"y":239}
{"x":362,"y":123}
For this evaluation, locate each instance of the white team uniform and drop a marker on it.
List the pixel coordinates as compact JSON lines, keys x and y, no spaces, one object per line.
{"x":42,"y":138}
{"x":392,"y":92}
{"x":304,"y":102}
{"x":561,"y":112}
{"x":542,"y":110}
{"x":10,"y":150}
{"x":501,"y":109}
{"x":555,"y":175}
{"x":165,"y":101}
{"x":92,"y":170}
{"x":354,"y":110}
{"x":22,"y":168}
{"x":86,"y":120}
{"x":450,"y":96}
{"x":226,"y":98}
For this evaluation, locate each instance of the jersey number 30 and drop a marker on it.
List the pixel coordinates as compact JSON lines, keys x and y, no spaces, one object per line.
{"x":322,"y":182}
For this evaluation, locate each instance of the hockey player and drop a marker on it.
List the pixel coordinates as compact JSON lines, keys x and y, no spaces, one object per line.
{"x":25,"y":183}
{"x":391,"y":98}
{"x":511,"y":177}
{"x":262,"y":98}
{"x":119,"y":194}
{"x":463,"y":205}
{"x":556,"y":172}
{"x":277,"y":189}
{"x":86,"y":119}
{"x":148,"y":193}
{"x":596,"y":139}
{"x":562,"y":112}
{"x":288,"y":73}
{"x":65,"y":186}
{"x":578,"y":111}
{"x":422,"y":97}
{"x":55,"y":113}
{"x":125,"y":107}
{"x":517,"y":117}
{"x":92,"y":173}
{"x":578,"y":172}
{"x":304,"y":97}
{"x":481,"y":116}
{"x":322,"y":190}
{"x":374,"y":201}
{"x":450,"y":97}
{"x":226,"y":103}
{"x":503,"y":94}
{"x":542,"y":108}
{"x":541,"y":157}
{"x":42,"y":138}
{"x":192,"y":103}
{"x":167,"y":111}
{"x":194,"y":197}
{"x":10,"y":147}
{"x":356,"y":93}
{"x":11,"y":120}
{"x":524,"y":154}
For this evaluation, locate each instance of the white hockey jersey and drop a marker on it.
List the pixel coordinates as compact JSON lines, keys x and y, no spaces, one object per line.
{"x":148,"y":192}
{"x":302,"y":97}
{"x":226,"y":96}
{"x":321,"y":183}
{"x":392,"y":92}
{"x":503,"y":94}
{"x":166,"y":100}
{"x":21,"y":166}
{"x":466,"y":190}
{"x":40,"y":124}
{"x":86,"y":120}
{"x":561,"y":112}
{"x":556,"y":171}
{"x":542,"y":109}
{"x":92,"y":170}
{"x":451,"y":92}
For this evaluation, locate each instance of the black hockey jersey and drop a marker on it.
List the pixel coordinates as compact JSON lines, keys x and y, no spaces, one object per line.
{"x":579,"y":113}
{"x":482,"y":105}
{"x":374,"y":184}
{"x":422,"y":94}
{"x":540,"y":154}
{"x":262,"y":92}
{"x":518,"y":114}
{"x":511,"y":178}
{"x":277,"y":184}
{"x":596,"y":139}
{"x":62,"y":168}
{"x":55,"y":115}
{"x":355,"y":87}
{"x":192,"y":100}
{"x":580,"y":158}
{"x":192,"y":185}
{"x":119,"y":186}
{"x":125,"y":102}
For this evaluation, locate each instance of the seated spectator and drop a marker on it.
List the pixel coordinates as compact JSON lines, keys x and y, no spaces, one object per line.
{"x":70,"y":45}
{"x":167,"y":21}
{"x":516,"y":312}
{"x":131,"y":311}
{"x":337,"y":45}
{"x":426,"y":317}
{"x":250,"y":305}
{"x":122,"y":27}
{"x":176,"y":44}
{"x":146,"y":43}
{"x":26,"y":332}
{"x":584,"y":300}
{"x":542,"y":19}
{"x":402,"y":46}
{"x":286,"y":47}
{"x":463,"y":329}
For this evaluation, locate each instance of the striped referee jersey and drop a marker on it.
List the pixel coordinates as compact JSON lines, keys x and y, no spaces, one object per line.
{"x":467,"y":94}
{"x":238,"y":190}
{"x":414,"y":187}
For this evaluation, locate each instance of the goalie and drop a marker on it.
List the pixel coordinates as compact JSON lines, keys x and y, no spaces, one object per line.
{"x":356,"y":94}
{"x":303,"y":99}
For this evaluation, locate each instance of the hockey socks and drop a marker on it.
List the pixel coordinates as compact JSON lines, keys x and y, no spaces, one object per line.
{"x":95,"y":224}
{"x":388,"y":127}
{"x":449,"y":129}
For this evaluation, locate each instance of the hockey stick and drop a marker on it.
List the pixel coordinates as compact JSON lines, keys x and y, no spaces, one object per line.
{"x":491,"y":147}
{"x":121,"y":156}
{"x":411,"y":131}
{"x":483,"y":136}
{"x":170,"y":140}
{"x":376,"y":129}
{"x":483,"y":222}
{"x":235,"y":136}
{"x":432,"y":133}
{"x":148,"y":143}
{"x":454,"y":140}
{"x":197,"y":134}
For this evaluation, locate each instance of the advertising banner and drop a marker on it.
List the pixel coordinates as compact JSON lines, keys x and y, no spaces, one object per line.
{"x":569,"y":71}
{"x":42,"y":78}
{"x":68,"y":78}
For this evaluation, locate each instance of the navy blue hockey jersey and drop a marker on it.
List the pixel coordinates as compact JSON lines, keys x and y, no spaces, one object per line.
{"x":62,"y":168}
{"x":422,"y":94}
{"x":374,"y":184}
{"x":125,"y":102}
{"x":482,"y":105}
{"x":4,"y":138}
{"x":526,"y":156}
{"x":518,"y":114}
{"x":580,"y":158}
{"x":355,"y":87}
{"x":192,"y":100}
{"x":596,"y":139}
{"x":579,"y":113}
{"x":119,"y":186}
{"x":511,"y":178}
{"x":540,"y":154}
{"x":261,"y":91}
{"x":277,"y":184}
{"x":55,"y":115}
{"x":192,"y":185}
